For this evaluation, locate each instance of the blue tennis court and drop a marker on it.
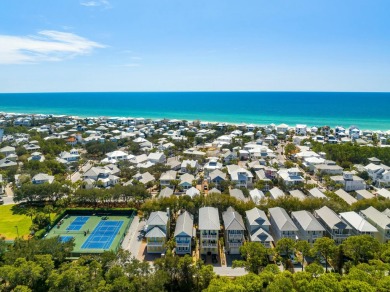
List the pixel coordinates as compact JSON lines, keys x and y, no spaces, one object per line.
{"x":78,"y":223}
{"x":64,"y":239}
{"x":103,"y":235}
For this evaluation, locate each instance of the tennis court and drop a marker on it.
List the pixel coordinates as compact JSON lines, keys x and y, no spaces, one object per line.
{"x":103,"y":235}
{"x":77,"y":223}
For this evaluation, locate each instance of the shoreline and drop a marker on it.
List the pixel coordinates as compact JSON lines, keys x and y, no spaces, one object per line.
{"x":153,"y":118}
{"x":368,"y":111}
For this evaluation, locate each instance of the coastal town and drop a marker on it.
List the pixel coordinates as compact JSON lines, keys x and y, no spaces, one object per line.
{"x":204,"y":189}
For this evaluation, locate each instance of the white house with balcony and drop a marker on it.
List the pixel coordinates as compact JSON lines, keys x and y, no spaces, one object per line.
{"x":212,"y":165}
{"x":234,"y":231}
{"x":100,"y":175}
{"x":309,"y":227}
{"x":359,"y":225}
{"x":301,"y":130}
{"x":68,"y":157}
{"x":379,"y":173}
{"x":157,"y":232}
{"x":167,"y":177}
{"x":349,"y":181}
{"x":240,"y":176}
{"x":209,"y":228}
{"x":336,"y":227}
{"x":282,"y":225}
{"x":380,"y":221}
{"x":184,"y":232}
{"x":290,"y":177}
{"x":258,"y":227}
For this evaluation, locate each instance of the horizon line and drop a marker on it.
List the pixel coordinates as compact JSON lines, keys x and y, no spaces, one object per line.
{"x":196,"y":91}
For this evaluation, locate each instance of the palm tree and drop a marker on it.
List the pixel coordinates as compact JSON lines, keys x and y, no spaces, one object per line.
{"x":48,"y":209}
{"x":31,"y":212}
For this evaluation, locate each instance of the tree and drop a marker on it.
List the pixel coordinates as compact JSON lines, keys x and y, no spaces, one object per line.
{"x":361,"y":248}
{"x":314,"y":269}
{"x":48,"y":209}
{"x":285,"y":246}
{"x":326,"y":247}
{"x":304,"y":247}
{"x":289,"y":149}
{"x":31,"y":212}
{"x":255,"y":257}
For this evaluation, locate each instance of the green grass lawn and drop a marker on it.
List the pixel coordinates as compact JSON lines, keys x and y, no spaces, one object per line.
{"x":8,"y":221}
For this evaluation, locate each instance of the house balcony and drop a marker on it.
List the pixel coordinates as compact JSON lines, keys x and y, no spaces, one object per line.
{"x":209,"y":236}
{"x":340,"y":235}
{"x":182,"y":244}
{"x":235,"y":236}
{"x":155,"y":243}
{"x":206,"y":244}
{"x":234,"y":244}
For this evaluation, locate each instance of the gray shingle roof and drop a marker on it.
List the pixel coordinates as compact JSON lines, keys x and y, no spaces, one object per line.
{"x":307,"y":221}
{"x":282,"y":220}
{"x":260,"y":235}
{"x":157,"y":218}
{"x":331,"y":219}
{"x":184,"y":224}
{"x":257,"y":217}
{"x":345,"y":196}
{"x":376,"y":217}
{"x":316,"y":193}
{"x":232,"y":220}
{"x":358,"y":222}
{"x":209,"y":218}
{"x":165,"y":193}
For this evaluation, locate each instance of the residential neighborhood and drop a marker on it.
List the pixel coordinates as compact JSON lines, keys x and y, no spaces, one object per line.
{"x":203,"y":189}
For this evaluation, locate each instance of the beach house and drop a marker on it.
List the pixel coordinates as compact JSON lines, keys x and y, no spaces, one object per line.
{"x":156,"y":232}
{"x":209,"y":228}
{"x":336,"y":227}
{"x":380,"y":221}
{"x":309,"y":227}
{"x":184,"y":232}
{"x":258,"y":226}
{"x":234,"y":228}
{"x":282,"y":225}
{"x":359,"y":224}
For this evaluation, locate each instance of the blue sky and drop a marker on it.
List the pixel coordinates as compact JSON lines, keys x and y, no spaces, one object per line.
{"x":194,"y":45}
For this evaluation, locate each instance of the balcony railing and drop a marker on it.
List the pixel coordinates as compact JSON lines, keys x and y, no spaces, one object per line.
{"x":209,"y":235}
{"x":235,"y":236}
{"x":155,"y":243}
{"x":182,"y":244}
{"x":209,"y":245}
{"x":235,"y":244}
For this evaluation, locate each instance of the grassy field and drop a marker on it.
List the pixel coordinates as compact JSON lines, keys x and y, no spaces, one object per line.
{"x":8,"y":221}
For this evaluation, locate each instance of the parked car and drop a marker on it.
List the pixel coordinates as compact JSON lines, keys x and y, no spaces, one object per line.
{"x":1,"y":201}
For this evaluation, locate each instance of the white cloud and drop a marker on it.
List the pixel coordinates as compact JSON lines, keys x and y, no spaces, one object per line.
{"x":47,"y":45}
{"x":104,"y":3}
{"x":131,"y":65}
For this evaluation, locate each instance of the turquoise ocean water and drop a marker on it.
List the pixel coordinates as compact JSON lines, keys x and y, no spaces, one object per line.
{"x":365,"y":110}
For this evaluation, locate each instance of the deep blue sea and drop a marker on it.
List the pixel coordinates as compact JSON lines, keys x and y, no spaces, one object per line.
{"x":365,"y":110}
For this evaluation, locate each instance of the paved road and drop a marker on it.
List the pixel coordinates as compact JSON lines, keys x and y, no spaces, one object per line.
{"x":229,"y":271}
{"x":9,"y":195}
{"x":131,"y":242}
